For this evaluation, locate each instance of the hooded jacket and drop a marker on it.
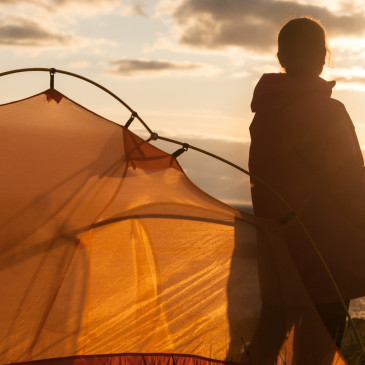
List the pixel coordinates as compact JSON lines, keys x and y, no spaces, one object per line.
{"x":304,"y":145}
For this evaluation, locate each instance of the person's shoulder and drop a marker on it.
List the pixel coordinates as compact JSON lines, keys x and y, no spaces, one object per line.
{"x":329,"y":116}
{"x":318,"y":114}
{"x":333,"y":104}
{"x":328,"y":108}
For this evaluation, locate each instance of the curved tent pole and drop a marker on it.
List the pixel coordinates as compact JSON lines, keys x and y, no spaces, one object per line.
{"x":52,"y":71}
{"x":185,"y":146}
{"x":291,"y":215}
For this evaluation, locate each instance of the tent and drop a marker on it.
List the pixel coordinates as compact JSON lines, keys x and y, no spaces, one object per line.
{"x":109,"y":254}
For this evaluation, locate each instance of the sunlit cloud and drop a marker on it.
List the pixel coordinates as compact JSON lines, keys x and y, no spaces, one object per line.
{"x":134,"y":8}
{"x":19,"y":2}
{"x":73,"y":8}
{"x":44,"y":24}
{"x":151,"y":68}
{"x":352,"y":78}
{"x":251,"y":25}
{"x":51,"y":4}
{"x":83,"y":8}
{"x":22,"y":31}
{"x":347,"y":46}
{"x":97,"y":3}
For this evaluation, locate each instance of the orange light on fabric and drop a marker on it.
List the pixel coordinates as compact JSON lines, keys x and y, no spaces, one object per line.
{"x":107,"y":247}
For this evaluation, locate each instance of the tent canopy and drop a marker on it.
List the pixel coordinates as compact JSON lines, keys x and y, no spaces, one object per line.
{"x":109,"y":253}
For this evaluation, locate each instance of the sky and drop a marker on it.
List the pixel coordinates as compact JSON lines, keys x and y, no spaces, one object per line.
{"x":188,"y":67}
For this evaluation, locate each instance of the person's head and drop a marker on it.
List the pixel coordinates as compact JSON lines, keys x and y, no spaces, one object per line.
{"x":302,"y":47}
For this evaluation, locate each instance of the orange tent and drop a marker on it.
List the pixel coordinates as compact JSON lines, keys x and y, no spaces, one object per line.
{"x":109,"y":254}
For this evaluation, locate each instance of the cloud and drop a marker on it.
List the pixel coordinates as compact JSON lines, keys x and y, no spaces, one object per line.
{"x":217,"y":24}
{"x":134,"y":8}
{"x":350,"y":78}
{"x":42,"y":26}
{"x":354,"y":80}
{"x":126,"y":8}
{"x":21,"y":31}
{"x":143,"y":67}
{"x":84,"y":2}
{"x":72,"y":8}
{"x":52,"y":3}
{"x":83,"y":7}
{"x":18,"y":2}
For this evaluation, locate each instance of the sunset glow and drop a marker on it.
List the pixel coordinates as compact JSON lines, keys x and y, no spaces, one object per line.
{"x":187,"y":66}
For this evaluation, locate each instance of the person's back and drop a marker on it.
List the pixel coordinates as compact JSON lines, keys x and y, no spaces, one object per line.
{"x":304,"y":145}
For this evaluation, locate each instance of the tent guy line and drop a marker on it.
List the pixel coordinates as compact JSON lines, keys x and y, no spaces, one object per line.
{"x":154,"y":136}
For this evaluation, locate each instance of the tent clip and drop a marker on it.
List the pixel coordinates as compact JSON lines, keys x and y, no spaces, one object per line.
{"x":52,"y":71}
{"x":152,"y":137}
{"x":181,"y":150}
{"x":131,"y":119}
{"x":288,"y":218}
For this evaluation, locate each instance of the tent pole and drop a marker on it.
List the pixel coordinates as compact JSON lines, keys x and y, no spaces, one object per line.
{"x":154,"y":136}
{"x":53,"y":70}
{"x":299,"y":221}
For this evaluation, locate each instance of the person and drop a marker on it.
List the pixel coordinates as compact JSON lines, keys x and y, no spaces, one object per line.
{"x":304,"y":145}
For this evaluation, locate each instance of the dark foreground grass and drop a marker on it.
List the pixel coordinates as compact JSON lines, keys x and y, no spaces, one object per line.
{"x":350,"y":348}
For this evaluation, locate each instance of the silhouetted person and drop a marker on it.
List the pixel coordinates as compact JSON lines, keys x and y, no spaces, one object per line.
{"x":304,"y":145}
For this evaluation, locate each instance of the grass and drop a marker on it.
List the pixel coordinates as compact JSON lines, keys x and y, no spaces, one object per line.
{"x":350,"y":348}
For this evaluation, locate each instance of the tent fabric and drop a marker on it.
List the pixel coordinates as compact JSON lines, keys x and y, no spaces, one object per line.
{"x":132,"y":359}
{"x":110,"y":254}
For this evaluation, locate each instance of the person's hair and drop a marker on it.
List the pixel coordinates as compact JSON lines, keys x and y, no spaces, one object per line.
{"x":302,"y":47}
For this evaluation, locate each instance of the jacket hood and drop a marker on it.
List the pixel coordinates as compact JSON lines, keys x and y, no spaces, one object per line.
{"x":277,"y":90}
